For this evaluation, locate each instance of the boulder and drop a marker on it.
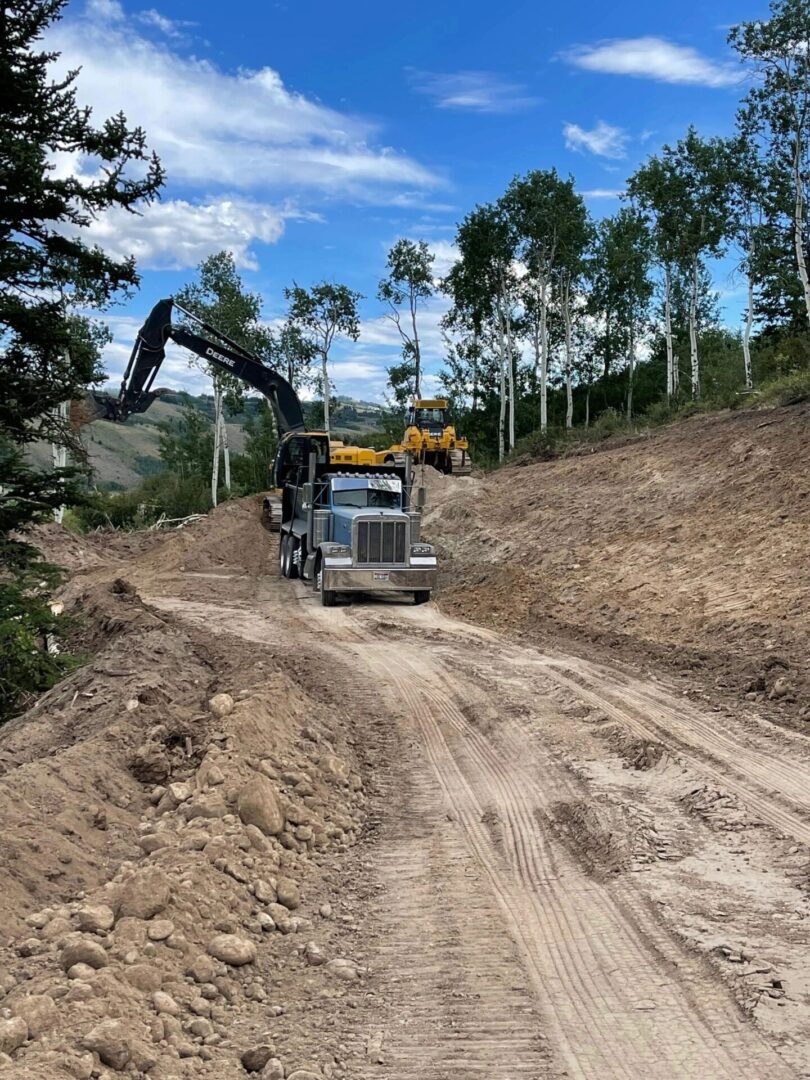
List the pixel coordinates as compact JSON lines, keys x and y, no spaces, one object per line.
{"x":144,"y":895}
{"x":288,"y":894}
{"x":220,"y":705}
{"x":255,"y":1059}
{"x":95,"y":917}
{"x":232,"y":950}
{"x":258,"y":805}
{"x":82,"y":950}
{"x":13,"y":1034}
{"x":39,"y":1011}
{"x":110,"y":1041}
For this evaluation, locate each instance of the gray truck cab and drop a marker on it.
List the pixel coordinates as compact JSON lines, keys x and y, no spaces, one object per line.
{"x":356,"y":531}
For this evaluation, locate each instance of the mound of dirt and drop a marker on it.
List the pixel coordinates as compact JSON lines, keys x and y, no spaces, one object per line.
{"x":168,"y":815}
{"x":229,"y":538}
{"x":688,"y":548}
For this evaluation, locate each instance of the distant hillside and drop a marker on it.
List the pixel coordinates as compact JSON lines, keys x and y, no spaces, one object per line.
{"x":121,"y":455}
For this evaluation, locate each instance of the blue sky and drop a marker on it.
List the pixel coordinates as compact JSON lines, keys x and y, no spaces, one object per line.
{"x":307,"y":136}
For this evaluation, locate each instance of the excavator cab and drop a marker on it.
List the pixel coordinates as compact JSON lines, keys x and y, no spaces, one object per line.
{"x":292,"y":457}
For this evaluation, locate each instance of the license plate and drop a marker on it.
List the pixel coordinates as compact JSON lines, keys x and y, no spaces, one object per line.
{"x":380,"y":575}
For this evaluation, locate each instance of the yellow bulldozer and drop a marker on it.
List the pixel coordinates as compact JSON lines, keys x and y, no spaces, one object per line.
{"x":431,"y":439}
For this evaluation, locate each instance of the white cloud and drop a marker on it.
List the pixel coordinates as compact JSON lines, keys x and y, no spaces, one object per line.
{"x":176,"y":234}
{"x":172,"y":28}
{"x":605,"y":140}
{"x":473,"y":91}
{"x":243,"y":130}
{"x":602,"y":193}
{"x":654,"y":58}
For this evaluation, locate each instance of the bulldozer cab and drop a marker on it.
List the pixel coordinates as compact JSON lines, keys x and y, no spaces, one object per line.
{"x":428,"y":415}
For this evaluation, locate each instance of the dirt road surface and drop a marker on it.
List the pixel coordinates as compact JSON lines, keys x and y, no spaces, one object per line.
{"x":527,"y":915}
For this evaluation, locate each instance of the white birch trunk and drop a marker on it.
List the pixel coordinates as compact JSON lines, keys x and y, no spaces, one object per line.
{"x":631,"y":372}
{"x":676,"y":375}
{"x":475,"y":371}
{"x":59,"y":451}
{"x":672,"y":381}
{"x":510,"y":361}
{"x":226,"y":450}
{"x":569,"y":393}
{"x":798,"y":231}
{"x":416,"y":351}
{"x":749,"y":321}
{"x":502,"y":419}
{"x":217,"y":428}
{"x":544,"y":357}
{"x":325,"y":376}
{"x":693,"y":343}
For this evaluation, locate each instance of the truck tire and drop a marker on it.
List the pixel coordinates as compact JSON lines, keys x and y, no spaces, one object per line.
{"x":282,"y":553}
{"x":292,"y":548}
{"x":328,"y":596}
{"x":421,"y":596}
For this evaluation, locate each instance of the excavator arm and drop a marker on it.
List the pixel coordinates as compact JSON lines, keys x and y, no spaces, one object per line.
{"x":149,"y":352}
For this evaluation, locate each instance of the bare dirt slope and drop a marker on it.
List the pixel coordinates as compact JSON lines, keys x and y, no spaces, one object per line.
{"x":688,"y":547}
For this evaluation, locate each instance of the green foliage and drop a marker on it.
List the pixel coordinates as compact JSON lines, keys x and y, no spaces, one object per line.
{"x":48,"y":353}
{"x":219,"y":298}
{"x":408,"y":284}
{"x":319,"y":315}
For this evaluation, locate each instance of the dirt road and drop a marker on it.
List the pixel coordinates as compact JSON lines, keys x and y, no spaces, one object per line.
{"x":568,"y":870}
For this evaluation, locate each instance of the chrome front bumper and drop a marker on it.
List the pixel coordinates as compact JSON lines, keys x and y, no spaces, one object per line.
{"x":382,"y":579}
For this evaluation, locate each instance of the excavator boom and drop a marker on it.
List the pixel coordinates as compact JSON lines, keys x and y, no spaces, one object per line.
{"x":149,"y":352}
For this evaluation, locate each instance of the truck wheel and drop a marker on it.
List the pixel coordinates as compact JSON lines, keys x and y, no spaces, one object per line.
{"x":282,"y":553}
{"x":327,"y":595}
{"x":421,"y":596}
{"x":292,"y":548}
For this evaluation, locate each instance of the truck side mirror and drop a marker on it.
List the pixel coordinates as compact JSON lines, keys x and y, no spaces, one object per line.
{"x":306,"y":496}
{"x":420,"y":497}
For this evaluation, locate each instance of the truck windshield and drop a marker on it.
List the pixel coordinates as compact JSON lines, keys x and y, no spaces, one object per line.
{"x":380,"y":500}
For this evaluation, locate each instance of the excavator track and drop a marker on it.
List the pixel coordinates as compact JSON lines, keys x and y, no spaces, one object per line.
{"x":271,"y":513}
{"x":460,"y":464}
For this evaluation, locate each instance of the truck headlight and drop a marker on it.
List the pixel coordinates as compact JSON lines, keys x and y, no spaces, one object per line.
{"x":338,"y":550}
{"x":421,"y":549}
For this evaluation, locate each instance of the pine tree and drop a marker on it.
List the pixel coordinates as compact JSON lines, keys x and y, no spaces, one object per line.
{"x":48,"y":354}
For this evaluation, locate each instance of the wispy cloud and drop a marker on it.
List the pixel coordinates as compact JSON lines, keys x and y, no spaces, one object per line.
{"x":603,"y":193}
{"x":605,"y":140}
{"x":242,"y":130}
{"x":654,"y":58}
{"x":175,"y":234}
{"x":472,"y":91}
{"x":172,"y":28}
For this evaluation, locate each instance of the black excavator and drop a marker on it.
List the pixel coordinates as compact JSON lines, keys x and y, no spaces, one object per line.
{"x":137,"y":392}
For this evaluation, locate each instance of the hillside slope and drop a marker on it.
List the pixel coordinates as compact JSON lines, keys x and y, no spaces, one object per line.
{"x":689,"y":546}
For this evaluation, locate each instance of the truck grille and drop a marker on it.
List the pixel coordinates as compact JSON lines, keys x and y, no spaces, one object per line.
{"x":381,"y":541}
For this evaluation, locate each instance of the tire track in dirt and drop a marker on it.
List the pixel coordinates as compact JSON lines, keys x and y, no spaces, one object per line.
{"x":615,"y":1008}
{"x":774,"y":788}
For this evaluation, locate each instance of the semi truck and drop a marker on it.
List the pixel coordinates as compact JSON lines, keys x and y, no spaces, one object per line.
{"x":352,"y":529}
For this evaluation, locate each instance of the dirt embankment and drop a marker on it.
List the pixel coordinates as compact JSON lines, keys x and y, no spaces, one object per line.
{"x":687,"y":548}
{"x":170,"y":812}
